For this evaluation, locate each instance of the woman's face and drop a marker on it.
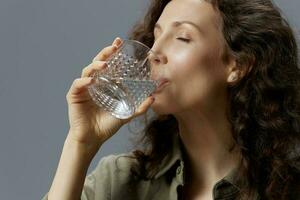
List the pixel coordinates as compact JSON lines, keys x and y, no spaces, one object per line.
{"x":189,"y":57}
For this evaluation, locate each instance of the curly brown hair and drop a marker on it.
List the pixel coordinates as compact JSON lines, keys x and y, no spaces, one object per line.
{"x":264,"y":104}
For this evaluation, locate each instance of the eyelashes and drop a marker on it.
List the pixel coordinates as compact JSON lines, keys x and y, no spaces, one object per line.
{"x":181,"y":39}
{"x":184,"y":39}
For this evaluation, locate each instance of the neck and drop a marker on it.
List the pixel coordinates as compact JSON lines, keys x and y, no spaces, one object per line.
{"x":207,"y":140}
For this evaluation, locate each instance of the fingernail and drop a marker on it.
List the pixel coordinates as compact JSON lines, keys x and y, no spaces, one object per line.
{"x":116,"y":39}
{"x":118,"y":42}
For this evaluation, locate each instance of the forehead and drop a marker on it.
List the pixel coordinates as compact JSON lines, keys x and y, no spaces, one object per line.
{"x":199,"y":12}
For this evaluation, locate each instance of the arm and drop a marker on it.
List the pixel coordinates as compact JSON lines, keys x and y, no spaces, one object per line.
{"x":71,"y":172}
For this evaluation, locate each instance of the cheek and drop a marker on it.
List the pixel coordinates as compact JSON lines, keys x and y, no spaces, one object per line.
{"x":183,"y":61}
{"x":189,"y":63}
{"x":197,"y":75}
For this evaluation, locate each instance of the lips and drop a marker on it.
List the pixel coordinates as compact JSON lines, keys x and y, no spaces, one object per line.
{"x":162,"y":83}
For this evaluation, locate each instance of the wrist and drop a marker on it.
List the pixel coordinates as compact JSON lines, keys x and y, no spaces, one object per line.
{"x":83,"y":150}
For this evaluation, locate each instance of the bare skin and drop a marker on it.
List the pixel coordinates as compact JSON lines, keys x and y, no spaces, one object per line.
{"x":90,"y":127}
{"x":196,"y":93}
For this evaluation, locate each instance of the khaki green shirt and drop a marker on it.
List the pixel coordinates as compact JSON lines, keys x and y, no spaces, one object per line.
{"x":111,"y":180}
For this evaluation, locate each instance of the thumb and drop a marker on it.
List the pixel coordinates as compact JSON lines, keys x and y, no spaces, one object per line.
{"x":141,"y":109}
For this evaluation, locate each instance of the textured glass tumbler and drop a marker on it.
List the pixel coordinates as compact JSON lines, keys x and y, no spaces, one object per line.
{"x":127,"y":80}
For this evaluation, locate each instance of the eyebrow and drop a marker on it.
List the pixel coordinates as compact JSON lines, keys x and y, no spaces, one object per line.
{"x":179,"y":23}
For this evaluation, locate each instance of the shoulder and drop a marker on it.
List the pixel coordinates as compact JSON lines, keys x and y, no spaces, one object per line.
{"x":120,"y":162}
{"x":110,"y":178}
{"x":115,"y":168}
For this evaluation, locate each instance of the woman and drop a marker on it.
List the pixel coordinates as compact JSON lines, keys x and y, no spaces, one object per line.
{"x":228,"y":117}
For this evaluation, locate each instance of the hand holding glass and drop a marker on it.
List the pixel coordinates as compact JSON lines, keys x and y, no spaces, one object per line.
{"x":127,"y":81}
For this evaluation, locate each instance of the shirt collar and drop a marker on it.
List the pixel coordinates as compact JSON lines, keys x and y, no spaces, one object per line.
{"x":172,"y":158}
{"x":176,"y":157}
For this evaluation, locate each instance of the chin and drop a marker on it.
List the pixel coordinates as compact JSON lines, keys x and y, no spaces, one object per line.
{"x":162,"y":108}
{"x":160,"y":111}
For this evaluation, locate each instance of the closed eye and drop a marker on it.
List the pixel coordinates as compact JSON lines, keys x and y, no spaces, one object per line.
{"x":184,"y":39}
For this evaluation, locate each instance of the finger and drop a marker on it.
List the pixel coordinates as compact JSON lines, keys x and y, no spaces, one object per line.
{"x":144,"y":106}
{"x":93,"y":67}
{"x":107,"y":51}
{"x":141,"y":109}
{"x":79,"y":85}
{"x":117,"y":42}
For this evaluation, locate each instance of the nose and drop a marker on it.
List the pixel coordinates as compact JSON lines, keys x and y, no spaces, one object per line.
{"x":156,"y":61}
{"x":157,"y":57}
{"x":154,"y":58}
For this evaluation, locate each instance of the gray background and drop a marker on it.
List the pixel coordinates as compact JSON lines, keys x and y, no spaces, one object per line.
{"x":43,"y":47}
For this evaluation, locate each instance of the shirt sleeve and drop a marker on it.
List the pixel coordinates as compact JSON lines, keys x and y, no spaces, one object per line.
{"x":97,"y":183}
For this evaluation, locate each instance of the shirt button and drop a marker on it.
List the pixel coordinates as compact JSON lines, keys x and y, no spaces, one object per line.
{"x":178,"y":170}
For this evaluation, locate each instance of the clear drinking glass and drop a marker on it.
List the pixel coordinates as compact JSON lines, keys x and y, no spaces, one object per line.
{"x":127,"y":81}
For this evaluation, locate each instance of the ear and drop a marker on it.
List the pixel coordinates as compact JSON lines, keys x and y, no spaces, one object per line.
{"x":235,"y":72}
